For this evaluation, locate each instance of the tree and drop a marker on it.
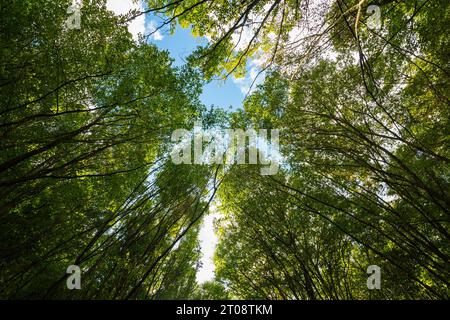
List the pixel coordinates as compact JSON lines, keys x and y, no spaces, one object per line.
{"x":86,"y":117}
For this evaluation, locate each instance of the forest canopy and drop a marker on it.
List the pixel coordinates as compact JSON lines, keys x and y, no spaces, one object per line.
{"x":86,"y":177}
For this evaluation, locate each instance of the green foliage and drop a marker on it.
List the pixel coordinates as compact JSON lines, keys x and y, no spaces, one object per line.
{"x":366,"y":180}
{"x":86,"y":117}
{"x":212,"y":290}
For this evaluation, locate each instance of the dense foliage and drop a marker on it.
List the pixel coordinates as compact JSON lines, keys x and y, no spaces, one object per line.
{"x":86,"y":178}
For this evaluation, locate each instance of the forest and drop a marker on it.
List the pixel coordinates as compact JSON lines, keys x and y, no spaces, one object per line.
{"x":357,"y":89}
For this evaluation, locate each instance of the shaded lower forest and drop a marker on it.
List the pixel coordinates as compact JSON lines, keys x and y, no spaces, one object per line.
{"x":86,"y":178}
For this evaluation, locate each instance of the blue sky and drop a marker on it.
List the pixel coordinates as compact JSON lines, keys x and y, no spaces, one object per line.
{"x":224,"y":94}
{"x":180,"y":44}
{"x":218,"y":93}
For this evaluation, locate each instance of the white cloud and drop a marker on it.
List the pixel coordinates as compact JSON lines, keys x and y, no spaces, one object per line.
{"x":242,"y":38}
{"x":243,"y":84}
{"x":208,"y":242}
{"x":151,"y":29}
{"x":253,"y":77}
{"x":119,"y":7}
